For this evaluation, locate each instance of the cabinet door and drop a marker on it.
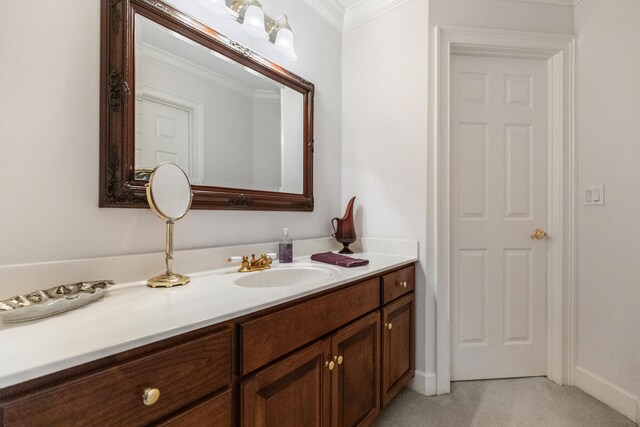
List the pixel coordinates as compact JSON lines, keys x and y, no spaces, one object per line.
{"x":356,"y":380}
{"x":292,"y":393}
{"x":398,"y":331}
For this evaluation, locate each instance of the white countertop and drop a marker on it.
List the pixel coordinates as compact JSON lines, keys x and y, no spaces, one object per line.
{"x":131,"y":315}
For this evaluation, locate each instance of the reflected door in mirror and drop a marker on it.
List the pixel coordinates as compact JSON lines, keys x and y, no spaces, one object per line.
{"x":222,"y":122}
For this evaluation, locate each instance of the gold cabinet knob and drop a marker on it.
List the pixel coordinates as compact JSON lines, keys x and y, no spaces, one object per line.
{"x":539,"y":234}
{"x":388,"y":325}
{"x":330,"y":365}
{"x":340,"y":360}
{"x":403,"y":284}
{"x":150,"y":396}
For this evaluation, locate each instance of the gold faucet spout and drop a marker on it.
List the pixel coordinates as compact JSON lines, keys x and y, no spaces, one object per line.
{"x":253,"y":264}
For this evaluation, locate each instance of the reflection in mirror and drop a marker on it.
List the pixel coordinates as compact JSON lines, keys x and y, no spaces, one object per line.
{"x":223,"y":123}
{"x":169,"y":192}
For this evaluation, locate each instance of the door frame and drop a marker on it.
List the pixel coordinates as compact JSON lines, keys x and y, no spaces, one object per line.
{"x":559,"y":52}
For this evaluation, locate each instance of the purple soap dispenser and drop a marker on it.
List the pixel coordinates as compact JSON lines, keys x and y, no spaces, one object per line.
{"x":285,"y":248}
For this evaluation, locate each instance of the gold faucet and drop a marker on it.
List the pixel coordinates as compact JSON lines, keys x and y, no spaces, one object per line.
{"x":253,"y":264}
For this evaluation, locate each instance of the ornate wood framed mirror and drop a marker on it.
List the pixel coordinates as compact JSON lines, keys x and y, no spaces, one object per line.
{"x":175,"y":90}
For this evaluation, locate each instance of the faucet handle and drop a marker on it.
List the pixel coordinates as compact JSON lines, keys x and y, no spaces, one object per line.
{"x":237,"y":258}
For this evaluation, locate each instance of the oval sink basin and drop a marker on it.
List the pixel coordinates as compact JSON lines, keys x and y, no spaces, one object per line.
{"x":285,"y":276}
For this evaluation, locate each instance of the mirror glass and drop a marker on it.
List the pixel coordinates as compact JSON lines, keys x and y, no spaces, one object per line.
{"x":169,"y":192}
{"x":223,"y":123}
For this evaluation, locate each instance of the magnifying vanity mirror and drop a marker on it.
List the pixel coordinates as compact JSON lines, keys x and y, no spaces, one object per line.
{"x":169,"y":196}
{"x":175,"y":90}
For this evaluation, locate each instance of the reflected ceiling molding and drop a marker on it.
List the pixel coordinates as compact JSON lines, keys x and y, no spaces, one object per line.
{"x":170,"y":61}
{"x":366,"y":10}
{"x":348,"y":14}
{"x":330,"y":10}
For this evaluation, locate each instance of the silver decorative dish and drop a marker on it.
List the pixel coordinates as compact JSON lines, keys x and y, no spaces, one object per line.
{"x":44,"y":303}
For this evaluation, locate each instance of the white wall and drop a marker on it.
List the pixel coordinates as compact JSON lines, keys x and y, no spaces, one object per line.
{"x":49,"y":132}
{"x":384,"y":153}
{"x":608,"y":110}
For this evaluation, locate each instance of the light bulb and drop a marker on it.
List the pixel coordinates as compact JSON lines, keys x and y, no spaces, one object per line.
{"x":284,"y":44}
{"x":254,"y":23}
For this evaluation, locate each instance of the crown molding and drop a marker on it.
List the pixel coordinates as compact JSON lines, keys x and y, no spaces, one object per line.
{"x":551,"y":2}
{"x":366,"y":10}
{"x":330,"y":10}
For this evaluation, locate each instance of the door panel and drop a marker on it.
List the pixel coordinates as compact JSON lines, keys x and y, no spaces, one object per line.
{"x":498,"y":198}
{"x":398,"y":331}
{"x":163,"y":134}
{"x":356,"y":385}
{"x":294,"y":392}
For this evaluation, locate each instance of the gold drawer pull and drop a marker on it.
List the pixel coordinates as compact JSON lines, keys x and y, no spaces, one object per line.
{"x":340,"y":360}
{"x":330,"y":365}
{"x":150,"y":396}
{"x":388,"y":325}
{"x":403,"y":284}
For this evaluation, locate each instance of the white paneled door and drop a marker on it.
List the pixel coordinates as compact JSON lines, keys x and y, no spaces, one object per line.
{"x":498,"y":199}
{"x":163,"y":134}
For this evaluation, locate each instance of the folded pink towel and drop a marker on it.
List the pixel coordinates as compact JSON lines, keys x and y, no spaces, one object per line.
{"x":339,"y":260}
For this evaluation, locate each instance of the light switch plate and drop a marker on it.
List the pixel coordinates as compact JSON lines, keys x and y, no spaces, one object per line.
{"x":594,"y":195}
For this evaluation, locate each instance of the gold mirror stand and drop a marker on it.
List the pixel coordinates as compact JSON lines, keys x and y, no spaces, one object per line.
{"x":168,"y":279}
{"x":169,"y":196}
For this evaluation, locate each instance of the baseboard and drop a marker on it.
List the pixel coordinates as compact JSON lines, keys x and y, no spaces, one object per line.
{"x":424,"y":383}
{"x":619,"y":399}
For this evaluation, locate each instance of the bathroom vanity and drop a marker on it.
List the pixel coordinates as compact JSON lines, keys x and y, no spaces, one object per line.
{"x":330,"y":356}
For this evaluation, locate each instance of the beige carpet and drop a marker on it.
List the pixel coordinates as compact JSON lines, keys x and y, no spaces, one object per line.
{"x":495,"y":403}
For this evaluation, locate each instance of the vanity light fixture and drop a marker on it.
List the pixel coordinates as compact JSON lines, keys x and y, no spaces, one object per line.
{"x":282,"y":38}
{"x":262,"y":27}
{"x":250,"y":11}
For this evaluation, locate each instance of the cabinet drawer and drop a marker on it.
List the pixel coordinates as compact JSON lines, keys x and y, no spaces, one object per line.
{"x":182,"y":373}
{"x":269,"y":337}
{"x":217,"y":411}
{"x":398,"y":283}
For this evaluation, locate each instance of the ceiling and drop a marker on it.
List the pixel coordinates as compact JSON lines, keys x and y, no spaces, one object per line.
{"x":347,"y":14}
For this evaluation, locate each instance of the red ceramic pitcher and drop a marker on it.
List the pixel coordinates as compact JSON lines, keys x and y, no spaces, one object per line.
{"x":344,"y":230}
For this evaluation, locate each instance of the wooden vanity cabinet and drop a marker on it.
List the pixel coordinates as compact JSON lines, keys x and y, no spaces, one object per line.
{"x":111,"y":392}
{"x":293,"y":392}
{"x":333,"y":359}
{"x":216,"y":411}
{"x":332,"y":382}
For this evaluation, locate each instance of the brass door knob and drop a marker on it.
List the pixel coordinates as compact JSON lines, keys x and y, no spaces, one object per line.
{"x":388,"y":325}
{"x":330,"y":365}
{"x":539,"y":234}
{"x":340,"y":360}
{"x":150,"y":396}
